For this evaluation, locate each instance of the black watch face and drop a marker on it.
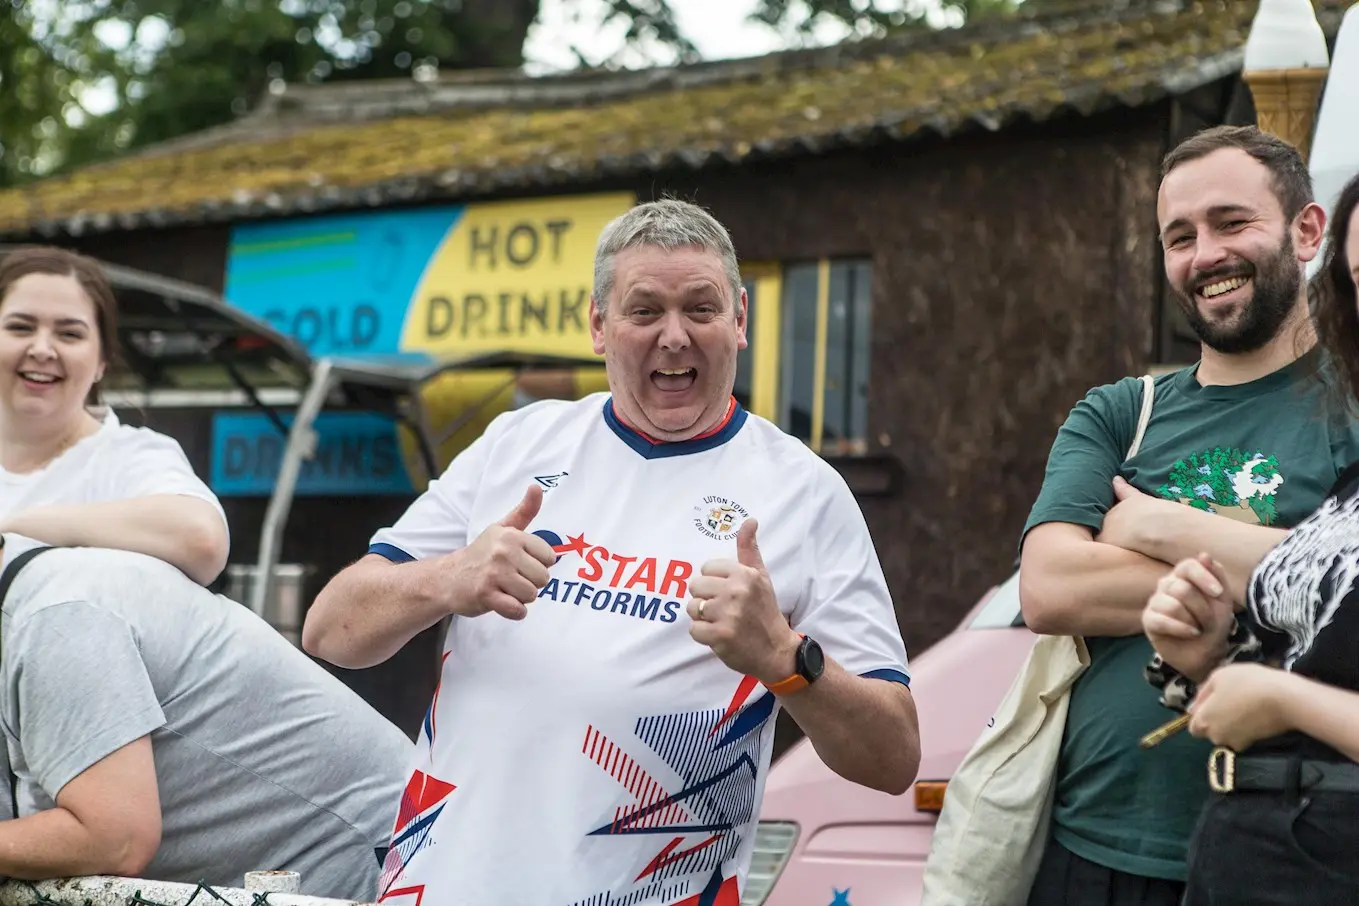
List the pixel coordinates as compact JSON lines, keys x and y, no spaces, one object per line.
{"x":813,"y":661}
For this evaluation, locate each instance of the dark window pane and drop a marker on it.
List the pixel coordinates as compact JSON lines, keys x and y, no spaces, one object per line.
{"x":847,"y":358}
{"x":839,"y":331}
{"x":862,"y":355}
{"x":798,"y":351}
{"x":745,"y":359}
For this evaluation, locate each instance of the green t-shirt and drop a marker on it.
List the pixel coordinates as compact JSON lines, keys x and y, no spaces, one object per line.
{"x":1266,"y":453}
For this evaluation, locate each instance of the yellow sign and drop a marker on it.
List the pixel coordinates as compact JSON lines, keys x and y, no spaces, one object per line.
{"x":513,"y":276}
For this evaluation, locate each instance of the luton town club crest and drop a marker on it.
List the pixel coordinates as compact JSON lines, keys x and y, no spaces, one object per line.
{"x":719,"y":518}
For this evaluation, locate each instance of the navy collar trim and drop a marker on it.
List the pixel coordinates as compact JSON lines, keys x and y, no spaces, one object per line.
{"x":651,"y":449}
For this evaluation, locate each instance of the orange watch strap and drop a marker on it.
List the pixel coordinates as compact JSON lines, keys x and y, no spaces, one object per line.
{"x":792,"y":684}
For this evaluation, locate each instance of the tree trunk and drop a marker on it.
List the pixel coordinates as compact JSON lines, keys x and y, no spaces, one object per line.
{"x":491,"y":33}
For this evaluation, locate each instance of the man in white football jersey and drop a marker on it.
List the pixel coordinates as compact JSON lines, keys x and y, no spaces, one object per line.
{"x":637,"y":581}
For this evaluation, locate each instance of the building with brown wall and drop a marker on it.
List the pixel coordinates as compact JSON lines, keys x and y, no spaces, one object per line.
{"x":950,"y":235}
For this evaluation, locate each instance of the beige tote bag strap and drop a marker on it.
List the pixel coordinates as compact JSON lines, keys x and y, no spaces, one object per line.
{"x":1148,"y":395}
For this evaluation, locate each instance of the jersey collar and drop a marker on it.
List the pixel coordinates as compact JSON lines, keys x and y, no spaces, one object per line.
{"x":651,"y":448}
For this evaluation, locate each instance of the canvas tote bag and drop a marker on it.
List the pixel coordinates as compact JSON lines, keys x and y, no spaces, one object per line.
{"x":994,"y":824}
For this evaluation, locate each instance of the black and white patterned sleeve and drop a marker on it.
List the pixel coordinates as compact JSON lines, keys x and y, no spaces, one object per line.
{"x":1178,"y":690}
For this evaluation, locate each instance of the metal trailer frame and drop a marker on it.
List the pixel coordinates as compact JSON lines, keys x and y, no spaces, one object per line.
{"x":166,"y":323}
{"x":405,"y":382}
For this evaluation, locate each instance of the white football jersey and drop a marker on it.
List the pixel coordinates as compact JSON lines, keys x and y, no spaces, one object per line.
{"x":593,"y":754}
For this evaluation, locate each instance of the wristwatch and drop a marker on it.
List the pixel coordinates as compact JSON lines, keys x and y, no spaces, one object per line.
{"x":809,"y":666}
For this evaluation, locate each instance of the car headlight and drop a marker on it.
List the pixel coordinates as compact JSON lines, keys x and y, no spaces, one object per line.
{"x":774,"y":842}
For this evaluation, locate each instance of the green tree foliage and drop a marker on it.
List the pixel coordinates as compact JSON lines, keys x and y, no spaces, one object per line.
{"x":40,"y":70}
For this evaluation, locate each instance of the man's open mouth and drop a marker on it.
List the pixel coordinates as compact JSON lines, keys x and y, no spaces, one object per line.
{"x":1221,"y":287}
{"x":674,"y":380}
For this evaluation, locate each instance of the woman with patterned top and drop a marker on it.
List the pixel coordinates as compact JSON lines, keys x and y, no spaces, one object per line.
{"x":1274,"y":681}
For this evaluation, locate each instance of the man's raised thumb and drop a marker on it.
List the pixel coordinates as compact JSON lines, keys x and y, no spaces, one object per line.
{"x":526,"y":510}
{"x":747,"y":550}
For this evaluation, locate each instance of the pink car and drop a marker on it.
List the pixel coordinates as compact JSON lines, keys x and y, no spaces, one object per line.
{"x":823,"y":841}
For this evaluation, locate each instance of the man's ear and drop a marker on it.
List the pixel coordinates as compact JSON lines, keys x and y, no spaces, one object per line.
{"x":596,"y":326}
{"x":742,"y":320}
{"x":1309,"y":231}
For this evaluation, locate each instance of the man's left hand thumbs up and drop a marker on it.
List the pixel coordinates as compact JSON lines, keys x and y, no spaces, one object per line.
{"x":747,"y":549}
{"x":735,"y":613}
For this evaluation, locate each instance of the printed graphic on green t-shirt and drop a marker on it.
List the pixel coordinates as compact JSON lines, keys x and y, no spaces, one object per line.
{"x":1228,"y":483}
{"x":1265,"y":453}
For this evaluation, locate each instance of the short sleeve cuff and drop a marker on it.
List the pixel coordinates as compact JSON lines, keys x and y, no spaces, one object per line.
{"x":1074,"y":515}
{"x":890,"y":674}
{"x":88,"y":752}
{"x":390,"y":552}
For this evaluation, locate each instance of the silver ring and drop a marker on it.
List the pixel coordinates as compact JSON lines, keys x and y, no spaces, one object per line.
{"x":701,"y":602}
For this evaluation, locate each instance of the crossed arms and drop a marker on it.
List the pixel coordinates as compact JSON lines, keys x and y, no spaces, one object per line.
{"x":1076,"y":581}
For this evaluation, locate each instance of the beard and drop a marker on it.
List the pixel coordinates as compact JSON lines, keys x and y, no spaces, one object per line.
{"x":1275,"y":282}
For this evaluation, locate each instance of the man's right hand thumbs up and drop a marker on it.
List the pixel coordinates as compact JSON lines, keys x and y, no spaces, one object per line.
{"x":505,"y":567}
{"x":526,"y":510}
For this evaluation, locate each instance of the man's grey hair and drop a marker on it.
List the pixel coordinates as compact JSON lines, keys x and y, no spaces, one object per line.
{"x":667,"y":224}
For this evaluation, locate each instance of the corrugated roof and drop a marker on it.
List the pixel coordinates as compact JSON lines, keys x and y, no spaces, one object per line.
{"x":353,"y":145}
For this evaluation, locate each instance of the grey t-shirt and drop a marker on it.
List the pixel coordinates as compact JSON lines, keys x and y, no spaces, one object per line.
{"x":263,"y":759}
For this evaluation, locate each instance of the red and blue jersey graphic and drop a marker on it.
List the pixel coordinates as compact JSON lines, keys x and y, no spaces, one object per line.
{"x":698,"y":823}
{"x":421,"y":804}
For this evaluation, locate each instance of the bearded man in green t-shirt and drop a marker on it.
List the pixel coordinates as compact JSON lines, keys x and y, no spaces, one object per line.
{"x":1240,"y":446}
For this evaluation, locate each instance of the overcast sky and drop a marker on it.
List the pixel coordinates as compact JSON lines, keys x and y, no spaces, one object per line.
{"x":719,"y":28}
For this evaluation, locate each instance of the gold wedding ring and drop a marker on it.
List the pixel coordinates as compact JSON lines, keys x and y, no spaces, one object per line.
{"x":701,"y":602}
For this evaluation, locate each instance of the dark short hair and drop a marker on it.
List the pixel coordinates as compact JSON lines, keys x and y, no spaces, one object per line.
{"x":1291,"y":181}
{"x":1335,"y":312}
{"x":46,"y":259}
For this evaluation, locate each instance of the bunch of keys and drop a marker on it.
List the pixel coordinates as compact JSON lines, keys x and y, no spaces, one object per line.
{"x":1164,"y":731}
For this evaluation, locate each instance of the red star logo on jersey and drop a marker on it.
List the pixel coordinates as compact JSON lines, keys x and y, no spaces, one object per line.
{"x":575,"y":544}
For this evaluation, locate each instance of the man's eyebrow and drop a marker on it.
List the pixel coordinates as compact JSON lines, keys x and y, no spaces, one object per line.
{"x":1178,"y":223}
{"x":1216,"y":212}
{"x":1225,"y":210}
{"x":702,"y":288}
